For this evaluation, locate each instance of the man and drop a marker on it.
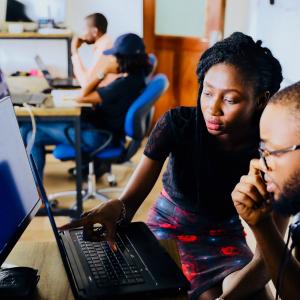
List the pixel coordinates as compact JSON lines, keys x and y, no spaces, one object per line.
{"x":95,"y":34}
{"x":273,"y":183}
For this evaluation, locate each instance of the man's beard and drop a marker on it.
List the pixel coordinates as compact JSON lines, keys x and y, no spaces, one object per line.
{"x":289,"y":200}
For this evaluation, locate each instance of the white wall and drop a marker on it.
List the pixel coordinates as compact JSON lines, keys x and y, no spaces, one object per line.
{"x":237,"y":16}
{"x":278,"y":26}
{"x":123,"y":16}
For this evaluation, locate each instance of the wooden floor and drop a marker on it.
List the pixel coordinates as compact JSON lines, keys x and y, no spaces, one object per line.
{"x":57,"y":179}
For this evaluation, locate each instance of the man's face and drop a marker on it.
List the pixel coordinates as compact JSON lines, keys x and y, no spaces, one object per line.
{"x":280,"y":129}
{"x":91,"y":32}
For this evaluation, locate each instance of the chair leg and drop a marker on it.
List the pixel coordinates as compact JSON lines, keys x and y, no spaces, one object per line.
{"x":89,"y":193}
{"x":111,"y":178}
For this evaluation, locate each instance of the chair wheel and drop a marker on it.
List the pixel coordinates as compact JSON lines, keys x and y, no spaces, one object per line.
{"x":112,"y":183}
{"x":54,"y":203}
{"x":111,"y":180}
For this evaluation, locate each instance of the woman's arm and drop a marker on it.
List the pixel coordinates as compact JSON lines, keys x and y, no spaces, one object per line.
{"x":108,"y":213}
{"x":140,"y":184}
{"x":109,"y":65}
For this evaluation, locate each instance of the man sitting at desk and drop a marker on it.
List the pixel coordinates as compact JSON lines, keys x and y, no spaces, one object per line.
{"x":95,"y":34}
{"x":110,"y":103}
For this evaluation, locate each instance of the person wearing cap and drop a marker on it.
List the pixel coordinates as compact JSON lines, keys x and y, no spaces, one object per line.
{"x":110,"y":103}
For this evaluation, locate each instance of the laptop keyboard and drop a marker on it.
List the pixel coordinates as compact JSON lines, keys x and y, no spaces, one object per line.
{"x":110,"y":268}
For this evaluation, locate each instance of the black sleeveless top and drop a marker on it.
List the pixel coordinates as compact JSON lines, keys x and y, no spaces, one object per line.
{"x":174,"y":137}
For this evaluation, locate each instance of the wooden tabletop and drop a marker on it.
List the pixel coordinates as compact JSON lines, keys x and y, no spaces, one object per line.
{"x":49,"y":112}
{"x":54,"y":284}
{"x":35,"y":35}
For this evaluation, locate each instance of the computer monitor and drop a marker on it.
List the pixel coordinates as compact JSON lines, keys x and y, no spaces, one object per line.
{"x":19,"y":198}
{"x":34,"y":10}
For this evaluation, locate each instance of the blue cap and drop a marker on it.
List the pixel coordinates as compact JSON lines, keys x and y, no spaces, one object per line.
{"x":127,"y":44}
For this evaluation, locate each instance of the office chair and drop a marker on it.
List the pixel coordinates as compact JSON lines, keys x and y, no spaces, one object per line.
{"x":153,"y":62}
{"x":137,"y":123}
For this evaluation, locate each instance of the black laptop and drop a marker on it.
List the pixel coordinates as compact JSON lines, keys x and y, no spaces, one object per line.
{"x":57,"y":83}
{"x":139,"y":268}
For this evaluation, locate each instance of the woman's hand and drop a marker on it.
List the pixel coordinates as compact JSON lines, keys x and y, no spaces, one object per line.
{"x":250,"y":197}
{"x":107,"y":214}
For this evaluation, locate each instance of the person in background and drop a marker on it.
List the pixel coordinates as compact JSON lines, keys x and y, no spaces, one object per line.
{"x":256,"y":196}
{"x":209,"y":148}
{"x":95,"y":34}
{"x":110,"y":103}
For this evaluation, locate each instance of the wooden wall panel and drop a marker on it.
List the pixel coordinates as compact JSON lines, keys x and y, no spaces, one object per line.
{"x":166,"y":66}
{"x":178,"y":58}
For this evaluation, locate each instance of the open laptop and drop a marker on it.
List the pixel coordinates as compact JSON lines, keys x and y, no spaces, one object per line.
{"x":139,"y":268}
{"x":35,"y":99}
{"x":55,"y":82}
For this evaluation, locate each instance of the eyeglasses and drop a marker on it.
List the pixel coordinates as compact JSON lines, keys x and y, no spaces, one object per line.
{"x":264,"y":153}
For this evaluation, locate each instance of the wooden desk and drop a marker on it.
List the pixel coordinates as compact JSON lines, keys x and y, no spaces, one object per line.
{"x":53,"y":284}
{"x":40,"y":36}
{"x":64,"y":114}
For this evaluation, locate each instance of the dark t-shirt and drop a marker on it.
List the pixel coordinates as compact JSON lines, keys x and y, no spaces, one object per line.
{"x":174,"y":137}
{"x":116,"y":100}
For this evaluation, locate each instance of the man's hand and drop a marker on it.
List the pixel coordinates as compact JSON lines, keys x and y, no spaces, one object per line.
{"x":76,"y":44}
{"x":250,"y":197}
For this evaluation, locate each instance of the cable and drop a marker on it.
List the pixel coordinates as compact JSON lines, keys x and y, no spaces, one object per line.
{"x":284,"y":261}
{"x":33,"y":124}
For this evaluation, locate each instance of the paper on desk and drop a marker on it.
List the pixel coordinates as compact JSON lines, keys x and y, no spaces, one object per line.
{"x":66,"y":98}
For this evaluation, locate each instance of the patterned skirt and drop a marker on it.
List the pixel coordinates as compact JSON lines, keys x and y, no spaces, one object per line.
{"x":209,"y":250}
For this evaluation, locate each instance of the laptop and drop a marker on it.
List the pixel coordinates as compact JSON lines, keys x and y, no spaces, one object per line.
{"x":55,"y":82}
{"x":35,"y":99}
{"x":139,"y":268}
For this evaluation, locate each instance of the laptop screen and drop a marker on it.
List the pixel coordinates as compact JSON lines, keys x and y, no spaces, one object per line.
{"x":43,"y":68}
{"x":4,"y":91}
{"x":19,"y":199}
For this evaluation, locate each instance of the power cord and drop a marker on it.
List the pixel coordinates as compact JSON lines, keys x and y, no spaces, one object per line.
{"x":294,"y":234}
{"x":33,"y":124}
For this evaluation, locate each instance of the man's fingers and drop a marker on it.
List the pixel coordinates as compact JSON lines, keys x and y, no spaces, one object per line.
{"x":241,"y":198}
{"x":254,"y":167}
{"x":256,"y":181}
{"x":251,"y":191}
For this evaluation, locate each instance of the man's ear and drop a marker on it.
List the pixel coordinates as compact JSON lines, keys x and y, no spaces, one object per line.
{"x":263,"y":100}
{"x":95,"y":31}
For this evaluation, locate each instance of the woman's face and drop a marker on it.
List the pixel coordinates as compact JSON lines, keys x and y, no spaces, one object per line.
{"x":227,"y":100}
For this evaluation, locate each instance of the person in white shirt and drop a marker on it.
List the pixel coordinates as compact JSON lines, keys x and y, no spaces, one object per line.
{"x":95,"y":33}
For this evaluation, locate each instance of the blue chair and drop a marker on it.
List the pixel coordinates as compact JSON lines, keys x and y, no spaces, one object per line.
{"x":153,"y":62}
{"x":137,"y":123}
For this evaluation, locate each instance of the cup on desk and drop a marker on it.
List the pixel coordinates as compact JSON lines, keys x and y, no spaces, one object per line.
{"x":15,"y":27}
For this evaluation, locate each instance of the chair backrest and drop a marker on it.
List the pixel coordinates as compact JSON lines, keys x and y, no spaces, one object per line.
{"x":137,"y":118}
{"x":153,"y":62}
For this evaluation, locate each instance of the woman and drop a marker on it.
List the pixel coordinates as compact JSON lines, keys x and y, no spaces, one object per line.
{"x":111,"y":102}
{"x":209,"y":149}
